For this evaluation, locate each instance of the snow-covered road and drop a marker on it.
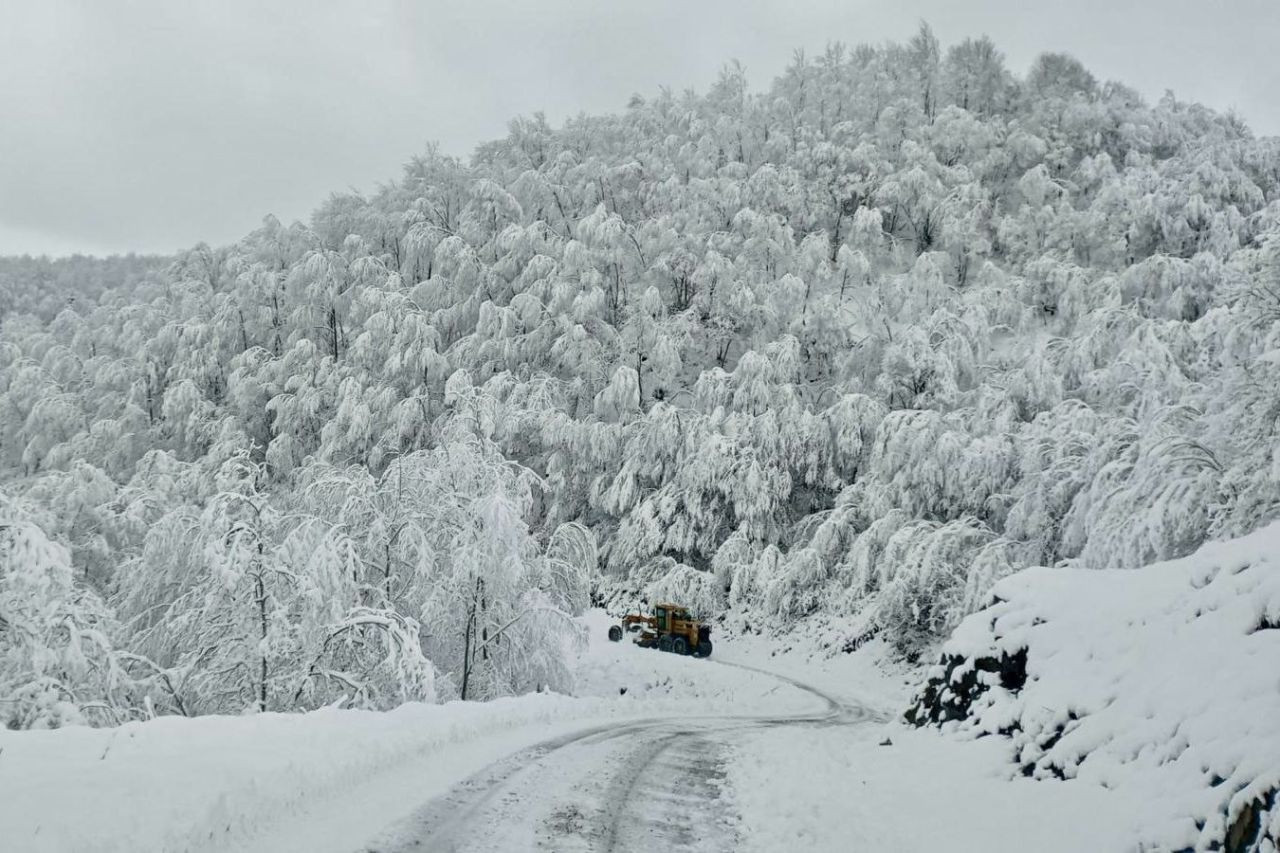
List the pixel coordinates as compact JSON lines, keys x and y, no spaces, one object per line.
{"x":765,"y":747}
{"x":618,"y":787}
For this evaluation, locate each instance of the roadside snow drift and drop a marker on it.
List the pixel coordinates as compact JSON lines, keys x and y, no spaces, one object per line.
{"x":1162,"y":683}
{"x":210,"y":783}
{"x":898,"y":789}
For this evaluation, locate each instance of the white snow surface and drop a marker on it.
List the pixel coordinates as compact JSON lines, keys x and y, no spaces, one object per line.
{"x":1164,"y":683}
{"x":329,"y":779}
{"x":888,"y":786}
{"x":334,"y":780}
{"x":846,"y":789}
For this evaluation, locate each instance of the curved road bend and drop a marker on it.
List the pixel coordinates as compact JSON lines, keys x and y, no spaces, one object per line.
{"x":642,"y":785}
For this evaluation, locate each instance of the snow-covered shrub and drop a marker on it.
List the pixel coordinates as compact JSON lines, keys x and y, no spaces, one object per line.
{"x":57,"y":664}
{"x":686,"y":586}
{"x":799,"y":588}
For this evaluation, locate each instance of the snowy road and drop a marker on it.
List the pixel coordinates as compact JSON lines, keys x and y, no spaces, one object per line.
{"x":653,"y":751}
{"x":621,"y":787}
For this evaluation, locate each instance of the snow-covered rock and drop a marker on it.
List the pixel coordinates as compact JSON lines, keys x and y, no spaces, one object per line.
{"x":1163,"y":680}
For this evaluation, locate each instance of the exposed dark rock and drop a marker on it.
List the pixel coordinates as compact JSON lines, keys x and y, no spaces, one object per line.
{"x":1245,"y":834}
{"x":950,"y":696}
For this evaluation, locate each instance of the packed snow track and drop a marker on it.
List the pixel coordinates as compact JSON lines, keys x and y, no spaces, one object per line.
{"x":639,"y":785}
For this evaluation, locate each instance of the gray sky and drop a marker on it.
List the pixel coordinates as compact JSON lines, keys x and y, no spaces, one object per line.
{"x":153,"y":124}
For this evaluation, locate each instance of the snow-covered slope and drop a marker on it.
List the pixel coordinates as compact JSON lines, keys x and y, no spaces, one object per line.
{"x":1162,"y":683}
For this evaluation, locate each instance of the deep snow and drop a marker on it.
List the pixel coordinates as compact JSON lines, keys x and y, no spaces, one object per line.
{"x":841,"y":789}
{"x":1161,"y":684}
{"x":329,"y":779}
{"x":339,"y":780}
{"x":888,"y":786}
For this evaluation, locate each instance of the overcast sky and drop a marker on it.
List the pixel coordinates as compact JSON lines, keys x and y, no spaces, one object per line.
{"x":151,"y":125}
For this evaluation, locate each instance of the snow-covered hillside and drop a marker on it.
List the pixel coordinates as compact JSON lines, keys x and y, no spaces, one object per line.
{"x":44,"y":287}
{"x":1161,"y":684}
{"x":859,"y":343}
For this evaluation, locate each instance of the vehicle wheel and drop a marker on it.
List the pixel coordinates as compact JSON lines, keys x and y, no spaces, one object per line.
{"x":664,"y":643}
{"x":703,"y":650}
{"x":615,"y":633}
{"x":680,"y":646}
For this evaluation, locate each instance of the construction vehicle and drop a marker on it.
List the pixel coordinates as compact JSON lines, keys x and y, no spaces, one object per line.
{"x":670,"y":629}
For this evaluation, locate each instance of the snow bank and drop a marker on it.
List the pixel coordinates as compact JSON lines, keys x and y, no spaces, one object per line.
{"x":207,"y":783}
{"x":831,"y":790}
{"x":1161,"y":683}
{"x":218,"y":783}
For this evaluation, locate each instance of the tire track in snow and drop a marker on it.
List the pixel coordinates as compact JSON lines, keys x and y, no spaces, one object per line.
{"x":444,"y":819}
{"x":607,"y":789}
{"x":673,"y":800}
{"x":838,"y":712}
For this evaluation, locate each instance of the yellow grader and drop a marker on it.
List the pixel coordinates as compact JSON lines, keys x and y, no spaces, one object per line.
{"x":669,"y":629}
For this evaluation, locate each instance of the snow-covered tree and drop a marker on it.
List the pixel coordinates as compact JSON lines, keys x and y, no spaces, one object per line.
{"x":58,"y":666}
{"x":863,"y":341}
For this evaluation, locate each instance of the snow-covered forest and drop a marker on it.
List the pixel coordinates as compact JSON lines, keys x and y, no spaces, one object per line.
{"x":861,"y":343}
{"x":44,"y":286}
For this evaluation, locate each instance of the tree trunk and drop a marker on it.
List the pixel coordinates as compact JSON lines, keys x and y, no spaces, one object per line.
{"x":277,"y":346}
{"x":386,"y":574}
{"x":261,"y":590}
{"x":484,"y":626}
{"x":468,"y":635}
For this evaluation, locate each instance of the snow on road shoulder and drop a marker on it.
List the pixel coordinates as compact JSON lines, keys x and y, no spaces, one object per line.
{"x":886,"y":786}
{"x":329,"y":779}
{"x":211,"y":783}
{"x":834,"y":789}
